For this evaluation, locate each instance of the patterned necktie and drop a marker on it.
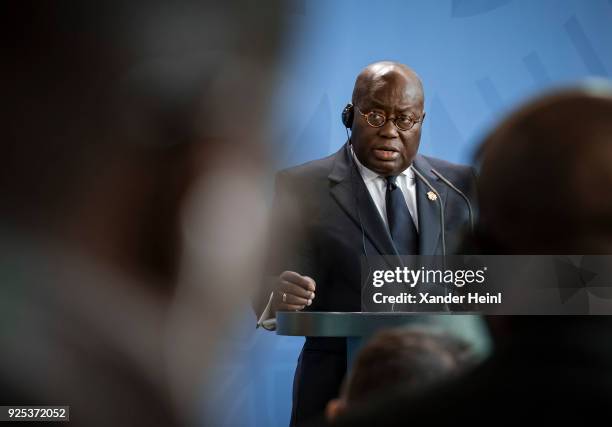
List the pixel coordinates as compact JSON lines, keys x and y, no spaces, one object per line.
{"x":401,"y":225}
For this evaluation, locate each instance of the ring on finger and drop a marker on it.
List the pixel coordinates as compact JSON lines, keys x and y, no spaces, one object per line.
{"x":284,"y":297}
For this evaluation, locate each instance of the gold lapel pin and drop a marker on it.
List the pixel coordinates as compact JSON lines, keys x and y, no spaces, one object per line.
{"x":432,"y":196}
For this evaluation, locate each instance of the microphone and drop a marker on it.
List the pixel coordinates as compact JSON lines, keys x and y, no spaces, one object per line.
{"x":441,"y":210}
{"x":441,"y":205}
{"x":356,"y":194}
{"x":461,"y":193}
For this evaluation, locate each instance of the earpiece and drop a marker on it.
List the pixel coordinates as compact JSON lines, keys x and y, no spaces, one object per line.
{"x":347,"y":116}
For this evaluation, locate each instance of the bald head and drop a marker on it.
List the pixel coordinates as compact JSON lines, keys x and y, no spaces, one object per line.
{"x":400,"y":76}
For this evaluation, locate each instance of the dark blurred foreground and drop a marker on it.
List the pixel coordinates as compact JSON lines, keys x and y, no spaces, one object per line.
{"x":130,"y":217}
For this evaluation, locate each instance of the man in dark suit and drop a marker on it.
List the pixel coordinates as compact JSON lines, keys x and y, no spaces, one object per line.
{"x":374,"y":196}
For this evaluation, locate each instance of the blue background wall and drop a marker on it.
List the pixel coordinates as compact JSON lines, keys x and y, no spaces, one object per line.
{"x":477,"y":60}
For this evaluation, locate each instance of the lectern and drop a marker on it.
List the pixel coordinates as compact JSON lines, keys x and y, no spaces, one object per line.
{"x":357,"y":327}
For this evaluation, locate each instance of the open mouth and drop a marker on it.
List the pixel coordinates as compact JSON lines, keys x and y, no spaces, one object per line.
{"x":386,"y":153}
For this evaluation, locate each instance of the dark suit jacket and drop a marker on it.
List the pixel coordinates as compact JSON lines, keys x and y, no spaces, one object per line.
{"x":325,"y":221}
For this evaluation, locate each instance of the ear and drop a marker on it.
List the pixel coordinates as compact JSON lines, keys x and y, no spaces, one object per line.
{"x":334,"y":409}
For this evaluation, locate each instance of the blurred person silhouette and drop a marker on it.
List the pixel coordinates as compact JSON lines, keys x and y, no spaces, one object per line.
{"x":544,"y":188}
{"x":131,"y":206}
{"x":410,"y":358}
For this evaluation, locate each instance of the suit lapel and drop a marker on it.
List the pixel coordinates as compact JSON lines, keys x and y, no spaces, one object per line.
{"x":348,"y":189}
{"x":428,"y":210}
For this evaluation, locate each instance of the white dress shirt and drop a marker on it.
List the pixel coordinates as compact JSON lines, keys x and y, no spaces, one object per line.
{"x":377,"y":187}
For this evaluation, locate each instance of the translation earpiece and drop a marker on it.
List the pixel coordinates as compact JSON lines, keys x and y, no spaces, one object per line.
{"x":347,"y":116}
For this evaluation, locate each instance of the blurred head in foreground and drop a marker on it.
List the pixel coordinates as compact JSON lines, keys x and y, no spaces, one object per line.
{"x":546,"y":176}
{"x":544,"y":188}
{"x":130,"y":212}
{"x":404,"y":358}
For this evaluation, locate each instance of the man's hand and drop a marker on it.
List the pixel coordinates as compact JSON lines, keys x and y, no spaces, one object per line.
{"x":293,"y":292}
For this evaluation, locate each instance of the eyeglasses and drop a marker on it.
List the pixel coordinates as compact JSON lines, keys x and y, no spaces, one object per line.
{"x":377,"y":120}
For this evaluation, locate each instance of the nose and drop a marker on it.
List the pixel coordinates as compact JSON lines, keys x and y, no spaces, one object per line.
{"x":388,"y":130}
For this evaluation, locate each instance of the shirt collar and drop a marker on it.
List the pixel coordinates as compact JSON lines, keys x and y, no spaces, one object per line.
{"x":370,"y":175}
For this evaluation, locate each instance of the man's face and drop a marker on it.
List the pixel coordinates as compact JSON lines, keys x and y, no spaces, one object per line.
{"x":388,"y":150}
